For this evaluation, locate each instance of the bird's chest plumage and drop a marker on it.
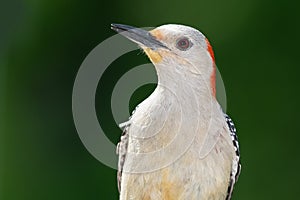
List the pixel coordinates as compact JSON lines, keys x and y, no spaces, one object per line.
{"x":165,"y":157}
{"x":187,"y":178}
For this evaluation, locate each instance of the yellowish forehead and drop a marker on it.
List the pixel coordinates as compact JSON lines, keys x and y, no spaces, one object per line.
{"x":157,"y":34}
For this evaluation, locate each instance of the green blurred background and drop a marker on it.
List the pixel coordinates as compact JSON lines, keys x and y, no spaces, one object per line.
{"x":43,"y":43}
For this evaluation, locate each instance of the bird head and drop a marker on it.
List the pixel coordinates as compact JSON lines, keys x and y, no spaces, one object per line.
{"x":177,"y":51}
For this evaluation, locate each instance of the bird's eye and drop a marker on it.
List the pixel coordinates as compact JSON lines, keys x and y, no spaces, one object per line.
{"x":183,"y":44}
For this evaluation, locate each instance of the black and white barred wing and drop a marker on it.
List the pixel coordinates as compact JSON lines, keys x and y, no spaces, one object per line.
{"x":236,"y":164}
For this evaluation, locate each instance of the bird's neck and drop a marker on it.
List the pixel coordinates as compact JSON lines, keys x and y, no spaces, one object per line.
{"x":177,"y":111}
{"x":185,"y":83}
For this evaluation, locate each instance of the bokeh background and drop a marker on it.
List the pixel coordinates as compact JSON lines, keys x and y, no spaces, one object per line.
{"x":43,"y":43}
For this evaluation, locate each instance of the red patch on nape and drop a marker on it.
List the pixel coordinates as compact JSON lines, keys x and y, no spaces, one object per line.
{"x":210,"y":50}
{"x":213,"y":74}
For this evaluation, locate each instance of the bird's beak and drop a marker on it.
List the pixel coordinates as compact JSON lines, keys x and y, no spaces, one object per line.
{"x":144,"y":38}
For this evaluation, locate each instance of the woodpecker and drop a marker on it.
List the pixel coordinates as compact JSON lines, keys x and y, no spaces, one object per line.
{"x":178,"y":144}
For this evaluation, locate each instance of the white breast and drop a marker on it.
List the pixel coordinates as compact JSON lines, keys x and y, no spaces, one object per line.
{"x":177,"y":150}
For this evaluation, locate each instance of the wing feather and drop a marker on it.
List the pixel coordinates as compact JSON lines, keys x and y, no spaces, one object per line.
{"x":236,"y":163}
{"x":122,"y":151}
